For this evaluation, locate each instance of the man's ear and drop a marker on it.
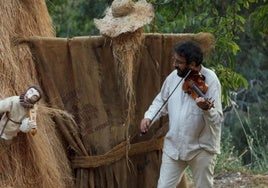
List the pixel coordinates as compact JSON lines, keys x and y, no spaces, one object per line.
{"x":192,"y":65}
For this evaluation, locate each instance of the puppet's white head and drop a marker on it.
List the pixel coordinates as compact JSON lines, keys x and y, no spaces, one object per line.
{"x":32,"y":95}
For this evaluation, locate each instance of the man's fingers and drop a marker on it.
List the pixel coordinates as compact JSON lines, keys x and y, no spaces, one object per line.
{"x":145,"y":125}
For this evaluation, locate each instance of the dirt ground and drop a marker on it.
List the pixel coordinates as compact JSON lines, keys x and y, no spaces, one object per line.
{"x":239,"y":180}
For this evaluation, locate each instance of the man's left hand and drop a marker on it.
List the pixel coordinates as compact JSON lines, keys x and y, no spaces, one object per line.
{"x":202,"y":103}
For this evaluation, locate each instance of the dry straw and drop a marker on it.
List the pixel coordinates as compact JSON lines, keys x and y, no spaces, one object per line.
{"x":125,"y":16}
{"x":126,"y":48}
{"x":29,"y":161}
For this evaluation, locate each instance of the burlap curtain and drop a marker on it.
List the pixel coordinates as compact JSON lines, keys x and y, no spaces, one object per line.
{"x":79,"y":75}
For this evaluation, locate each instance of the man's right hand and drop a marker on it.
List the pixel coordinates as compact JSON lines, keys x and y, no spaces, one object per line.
{"x":145,"y":125}
{"x":27,"y":125}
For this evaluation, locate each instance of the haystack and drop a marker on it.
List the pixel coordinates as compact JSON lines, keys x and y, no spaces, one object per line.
{"x":30,"y":161}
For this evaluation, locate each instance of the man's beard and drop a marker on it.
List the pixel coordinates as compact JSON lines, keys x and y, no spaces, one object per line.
{"x":182,"y":73}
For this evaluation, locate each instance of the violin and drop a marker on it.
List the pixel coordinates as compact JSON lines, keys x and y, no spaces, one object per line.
{"x":195,"y":85}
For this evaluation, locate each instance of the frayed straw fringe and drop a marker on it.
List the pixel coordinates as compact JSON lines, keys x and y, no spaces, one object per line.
{"x":28,"y":161}
{"x":126,"y":47}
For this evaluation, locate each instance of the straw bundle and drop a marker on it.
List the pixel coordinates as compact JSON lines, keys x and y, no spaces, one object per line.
{"x":125,"y":48}
{"x":38,"y":161}
{"x":122,"y":8}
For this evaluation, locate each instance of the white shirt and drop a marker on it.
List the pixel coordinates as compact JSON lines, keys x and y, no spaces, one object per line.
{"x":190,"y":128}
{"x":16,"y":112}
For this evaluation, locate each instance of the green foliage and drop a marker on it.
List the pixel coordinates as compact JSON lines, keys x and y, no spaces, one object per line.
{"x":259,"y":18}
{"x":246,"y":151}
{"x":229,"y":159}
{"x":75,"y":18}
{"x":251,"y":126}
{"x":230,"y":81}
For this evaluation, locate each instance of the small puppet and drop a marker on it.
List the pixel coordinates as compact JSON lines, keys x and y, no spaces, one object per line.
{"x":19,"y":113}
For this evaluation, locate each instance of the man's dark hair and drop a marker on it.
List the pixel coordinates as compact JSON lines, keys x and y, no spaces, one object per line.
{"x":190,"y":51}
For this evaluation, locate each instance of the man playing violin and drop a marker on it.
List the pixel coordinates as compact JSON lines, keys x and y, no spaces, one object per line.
{"x":193,"y":138}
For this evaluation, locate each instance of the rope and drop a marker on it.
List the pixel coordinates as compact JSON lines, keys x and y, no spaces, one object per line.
{"x":116,"y":154}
